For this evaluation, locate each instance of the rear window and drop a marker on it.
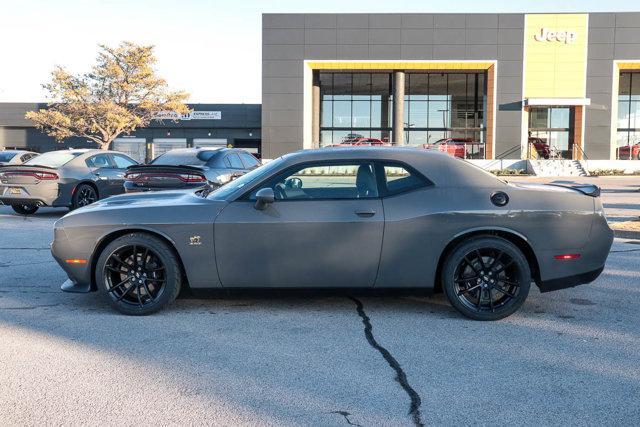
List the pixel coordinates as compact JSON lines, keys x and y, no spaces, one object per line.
{"x":5,"y":157}
{"x":206,"y":155}
{"x":53,"y":159}
{"x":176,"y":158}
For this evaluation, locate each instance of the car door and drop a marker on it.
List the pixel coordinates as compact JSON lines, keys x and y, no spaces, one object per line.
{"x":323,"y":230}
{"x":105,"y":174}
{"x":121,"y":163}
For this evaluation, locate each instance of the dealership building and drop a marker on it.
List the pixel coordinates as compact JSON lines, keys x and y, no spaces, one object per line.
{"x":506,"y":85}
{"x":493,"y":86}
{"x":207,"y":125}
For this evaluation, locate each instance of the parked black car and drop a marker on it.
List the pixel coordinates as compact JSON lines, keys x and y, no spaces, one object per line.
{"x":186,"y":168}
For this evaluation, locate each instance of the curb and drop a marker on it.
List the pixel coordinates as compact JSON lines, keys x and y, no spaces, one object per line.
{"x":626,"y":234}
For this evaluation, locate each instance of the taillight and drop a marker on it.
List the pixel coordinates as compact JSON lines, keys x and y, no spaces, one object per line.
{"x":187,"y":177}
{"x":46,"y":176}
{"x":42,"y":176}
{"x":132,"y":176}
{"x":566,"y":257}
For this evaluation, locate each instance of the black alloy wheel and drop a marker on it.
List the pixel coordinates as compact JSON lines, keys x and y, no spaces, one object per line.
{"x":85,"y":195}
{"x":25,"y":208}
{"x":487,"y":278}
{"x":138,"y":274}
{"x":135,"y":275}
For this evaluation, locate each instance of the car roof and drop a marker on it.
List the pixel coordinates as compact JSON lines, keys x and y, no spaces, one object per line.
{"x":440,"y":167}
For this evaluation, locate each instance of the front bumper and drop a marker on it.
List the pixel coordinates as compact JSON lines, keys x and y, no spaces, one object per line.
{"x":75,"y":288}
{"x":79,"y":275}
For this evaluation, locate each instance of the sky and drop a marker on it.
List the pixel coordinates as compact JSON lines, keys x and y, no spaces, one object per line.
{"x":209,"y":48}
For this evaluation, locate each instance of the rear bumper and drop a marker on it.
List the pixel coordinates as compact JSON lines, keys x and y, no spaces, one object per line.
{"x":42,"y":194}
{"x":569,"y":282}
{"x":560,"y":274}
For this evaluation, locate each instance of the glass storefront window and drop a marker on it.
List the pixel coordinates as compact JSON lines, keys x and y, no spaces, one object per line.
{"x":437,"y":106}
{"x":354,"y":104}
{"x":628,"y":140}
{"x":445,"y":110}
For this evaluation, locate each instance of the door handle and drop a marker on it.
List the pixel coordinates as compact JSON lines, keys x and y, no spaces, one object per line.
{"x":365,"y":214}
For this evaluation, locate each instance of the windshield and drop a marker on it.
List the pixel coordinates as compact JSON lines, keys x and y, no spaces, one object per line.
{"x":245,"y":180}
{"x":6,"y":156}
{"x":53,"y":159}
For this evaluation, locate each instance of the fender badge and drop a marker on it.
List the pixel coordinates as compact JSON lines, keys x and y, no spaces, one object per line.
{"x":195,"y":241}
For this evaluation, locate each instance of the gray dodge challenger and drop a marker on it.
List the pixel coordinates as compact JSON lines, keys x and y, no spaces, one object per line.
{"x":63,"y":178}
{"x":349,"y":218}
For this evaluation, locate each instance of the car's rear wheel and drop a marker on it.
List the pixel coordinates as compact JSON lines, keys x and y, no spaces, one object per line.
{"x":138,"y":274}
{"x":25,"y":208}
{"x":486,"y":278}
{"x":84,"y":195}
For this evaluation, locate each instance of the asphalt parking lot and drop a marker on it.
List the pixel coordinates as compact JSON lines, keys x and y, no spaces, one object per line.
{"x":570,"y":357}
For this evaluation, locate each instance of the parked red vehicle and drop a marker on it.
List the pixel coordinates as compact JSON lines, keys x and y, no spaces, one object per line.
{"x":541,"y":147}
{"x":629,"y":152}
{"x":353,"y":140}
{"x":465,"y":148}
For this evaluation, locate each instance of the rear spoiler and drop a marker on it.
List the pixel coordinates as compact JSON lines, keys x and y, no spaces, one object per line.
{"x":586,"y":189}
{"x":20,"y":166}
{"x":165,"y":168}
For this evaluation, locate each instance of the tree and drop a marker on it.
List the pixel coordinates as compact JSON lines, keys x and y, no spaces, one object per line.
{"x":121,"y":93}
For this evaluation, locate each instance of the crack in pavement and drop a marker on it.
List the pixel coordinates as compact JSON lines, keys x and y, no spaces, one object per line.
{"x":346,"y":416}
{"x":401,"y":376}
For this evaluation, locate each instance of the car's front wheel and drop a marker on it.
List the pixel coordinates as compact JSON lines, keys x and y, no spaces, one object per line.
{"x":486,"y":278}
{"x":138,"y":274}
{"x":25,"y":208}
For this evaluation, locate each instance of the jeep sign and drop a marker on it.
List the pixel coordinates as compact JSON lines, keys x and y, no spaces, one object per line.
{"x":563,"y":36}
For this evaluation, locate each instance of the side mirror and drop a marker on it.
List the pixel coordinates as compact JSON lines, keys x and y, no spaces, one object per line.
{"x":264,"y":196}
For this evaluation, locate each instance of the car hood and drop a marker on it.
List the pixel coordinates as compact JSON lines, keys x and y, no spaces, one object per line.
{"x":166,"y":207}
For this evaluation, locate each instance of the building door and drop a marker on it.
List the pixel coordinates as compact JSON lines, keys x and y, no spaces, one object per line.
{"x":551,"y":132}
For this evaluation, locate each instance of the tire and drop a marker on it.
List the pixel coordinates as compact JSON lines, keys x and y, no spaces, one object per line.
{"x":25,"y":209}
{"x":486,"y":278}
{"x":142,"y":284}
{"x":84,"y":195}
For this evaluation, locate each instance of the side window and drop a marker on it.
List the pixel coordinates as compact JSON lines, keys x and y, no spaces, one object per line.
{"x":248,"y":160}
{"x":25,"y":157}
{"x":122,"y":162}
{"x":99,"y":161}
{"x":400,"y":180}
{"x":336,"y":181}
{"x":234,"y":161}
